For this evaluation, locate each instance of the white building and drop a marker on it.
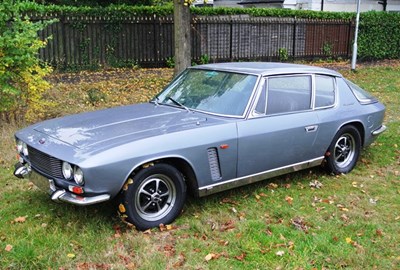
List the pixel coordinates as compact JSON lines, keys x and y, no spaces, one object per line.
{"x":325,"y":5}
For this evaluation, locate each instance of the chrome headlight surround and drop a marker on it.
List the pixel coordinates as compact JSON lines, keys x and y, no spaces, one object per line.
{"x":78,"y":176}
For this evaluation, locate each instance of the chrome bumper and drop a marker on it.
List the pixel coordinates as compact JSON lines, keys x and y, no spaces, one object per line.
{"x":379,"y":130}
{"x":56,"y":194}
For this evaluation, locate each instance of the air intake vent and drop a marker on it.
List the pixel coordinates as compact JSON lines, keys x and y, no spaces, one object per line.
{"x":213,"y":160}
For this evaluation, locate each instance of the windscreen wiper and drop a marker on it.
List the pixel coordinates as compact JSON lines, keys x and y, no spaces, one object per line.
{"x":179,"y":104}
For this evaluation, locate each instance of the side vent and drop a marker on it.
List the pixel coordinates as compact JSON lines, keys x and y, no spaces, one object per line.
{"x":213,"y":160}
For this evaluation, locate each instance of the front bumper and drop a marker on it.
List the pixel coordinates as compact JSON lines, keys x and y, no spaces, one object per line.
{"x":56,"y":194}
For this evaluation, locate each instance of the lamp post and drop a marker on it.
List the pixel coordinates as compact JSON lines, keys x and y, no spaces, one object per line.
{"x":354,"y":56}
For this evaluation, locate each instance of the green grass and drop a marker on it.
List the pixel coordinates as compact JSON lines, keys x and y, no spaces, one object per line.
{"x":352,"y":222}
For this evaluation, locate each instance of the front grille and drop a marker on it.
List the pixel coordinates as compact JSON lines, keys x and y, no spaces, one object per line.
{"x":45,"y":163}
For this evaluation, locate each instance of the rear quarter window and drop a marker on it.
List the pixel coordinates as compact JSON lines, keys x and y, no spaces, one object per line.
{"x":363,"y":96}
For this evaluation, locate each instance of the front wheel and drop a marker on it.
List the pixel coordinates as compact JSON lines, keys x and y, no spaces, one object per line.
{"x":154,"y":196}
{"x":344,"y":150}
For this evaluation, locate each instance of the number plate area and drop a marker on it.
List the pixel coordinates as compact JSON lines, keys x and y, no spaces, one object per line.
{"x":44,"y":184}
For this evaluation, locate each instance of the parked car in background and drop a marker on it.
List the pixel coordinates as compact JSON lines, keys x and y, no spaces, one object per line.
{"x":213,"y":128}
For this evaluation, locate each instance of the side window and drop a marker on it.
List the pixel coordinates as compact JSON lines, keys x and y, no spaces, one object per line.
{"x":288,"y":94}
{"x":324,"y":91}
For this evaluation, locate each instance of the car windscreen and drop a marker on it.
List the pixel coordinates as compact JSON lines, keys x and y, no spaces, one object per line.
{"x":218,"y":92}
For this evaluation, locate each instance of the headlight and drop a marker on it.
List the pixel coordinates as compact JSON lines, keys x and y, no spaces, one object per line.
{"x":25,"y":149}
{"x":67,"y":170}
{"x":78,"y":176}
{"x":19,"y":146}
{"x":22,"y":148}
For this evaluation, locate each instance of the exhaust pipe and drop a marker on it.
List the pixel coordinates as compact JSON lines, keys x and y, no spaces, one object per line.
{"x":21,"y":171}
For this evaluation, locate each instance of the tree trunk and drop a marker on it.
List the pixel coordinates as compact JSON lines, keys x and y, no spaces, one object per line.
{"x":182,"y":36}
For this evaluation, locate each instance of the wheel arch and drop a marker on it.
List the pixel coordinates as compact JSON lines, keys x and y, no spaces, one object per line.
{"x":359,"y":126}
{"x":179,"y":163}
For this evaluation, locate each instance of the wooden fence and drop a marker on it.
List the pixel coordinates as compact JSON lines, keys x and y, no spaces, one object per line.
{"x":85,"y":42}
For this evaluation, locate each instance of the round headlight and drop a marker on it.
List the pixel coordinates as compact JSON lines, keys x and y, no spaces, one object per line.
{"x":19,"y":146}
{"x":67,"y":170}
{"x":25,"y":149}
{"x":78,"y":176}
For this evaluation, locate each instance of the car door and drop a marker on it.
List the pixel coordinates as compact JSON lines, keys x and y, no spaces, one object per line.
{"x":282,"y":128}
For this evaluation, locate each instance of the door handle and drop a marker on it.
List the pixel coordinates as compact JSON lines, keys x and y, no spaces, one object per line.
{"x":311,"y":128}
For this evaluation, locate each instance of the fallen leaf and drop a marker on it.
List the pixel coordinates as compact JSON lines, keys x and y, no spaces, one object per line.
{"x":229,"y":225}
{"x":8,"y":248}
{"x":348,"y":240}
{"x":227,"y":200}
{"x":241,"y":257}
{"x":272,"y":186}
{"x":20,"y":219}
{"x":209,"y":257}
{"x":344,"y":217}
{"x":289,"y":200}
{"x":257,"y":197}
{"x":181,"y":260}
{"x":379,"y":232}
{"x":315,"y":184}
{"x":372,"y":201}
{"x":71,"y":255}
{"x":299,"y":224}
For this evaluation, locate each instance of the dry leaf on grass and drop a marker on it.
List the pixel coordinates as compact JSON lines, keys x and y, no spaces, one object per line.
{"x":8,"y":248}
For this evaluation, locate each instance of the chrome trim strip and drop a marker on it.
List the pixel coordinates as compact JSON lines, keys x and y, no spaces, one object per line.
{"x":379,"y":130}
{"x":241,"y":181}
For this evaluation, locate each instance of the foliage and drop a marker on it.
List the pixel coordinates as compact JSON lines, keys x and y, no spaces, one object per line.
{"x":379,"y":36}
{"x":283,"y":54}
{"x":94,"y":2}
{"x":303,"y":220}
{"x":170,"y":62}
{"x":204,"y":59}
{"x":123,"y":10}
{"x":21,"y":73}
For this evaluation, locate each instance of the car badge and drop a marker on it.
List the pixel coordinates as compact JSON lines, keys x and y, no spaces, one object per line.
{"x":42,"y":140}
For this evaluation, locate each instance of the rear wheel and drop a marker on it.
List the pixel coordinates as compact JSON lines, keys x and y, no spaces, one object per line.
{"x":154,"y":196}
{"x":344,"y":150}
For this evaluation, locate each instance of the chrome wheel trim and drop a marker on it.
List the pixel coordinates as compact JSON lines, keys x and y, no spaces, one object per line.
{"x":344,"y":151}
{"x":155,"y":197}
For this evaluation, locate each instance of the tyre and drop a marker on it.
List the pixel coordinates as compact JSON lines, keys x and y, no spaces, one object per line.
{"x":154,"y":196}
{"x":344,"y":150}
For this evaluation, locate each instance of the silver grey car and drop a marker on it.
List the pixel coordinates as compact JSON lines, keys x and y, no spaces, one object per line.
{"x":214,"y":127}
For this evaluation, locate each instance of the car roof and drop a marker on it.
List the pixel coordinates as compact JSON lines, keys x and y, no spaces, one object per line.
{"x":267,"y":68}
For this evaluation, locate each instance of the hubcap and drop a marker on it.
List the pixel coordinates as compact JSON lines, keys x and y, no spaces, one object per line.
{"x":155,"y":197}
{"x":344,"y":150}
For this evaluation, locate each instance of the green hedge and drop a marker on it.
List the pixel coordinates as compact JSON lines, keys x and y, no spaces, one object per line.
{"x":379,"y":36}
{"x":122,"y":11}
